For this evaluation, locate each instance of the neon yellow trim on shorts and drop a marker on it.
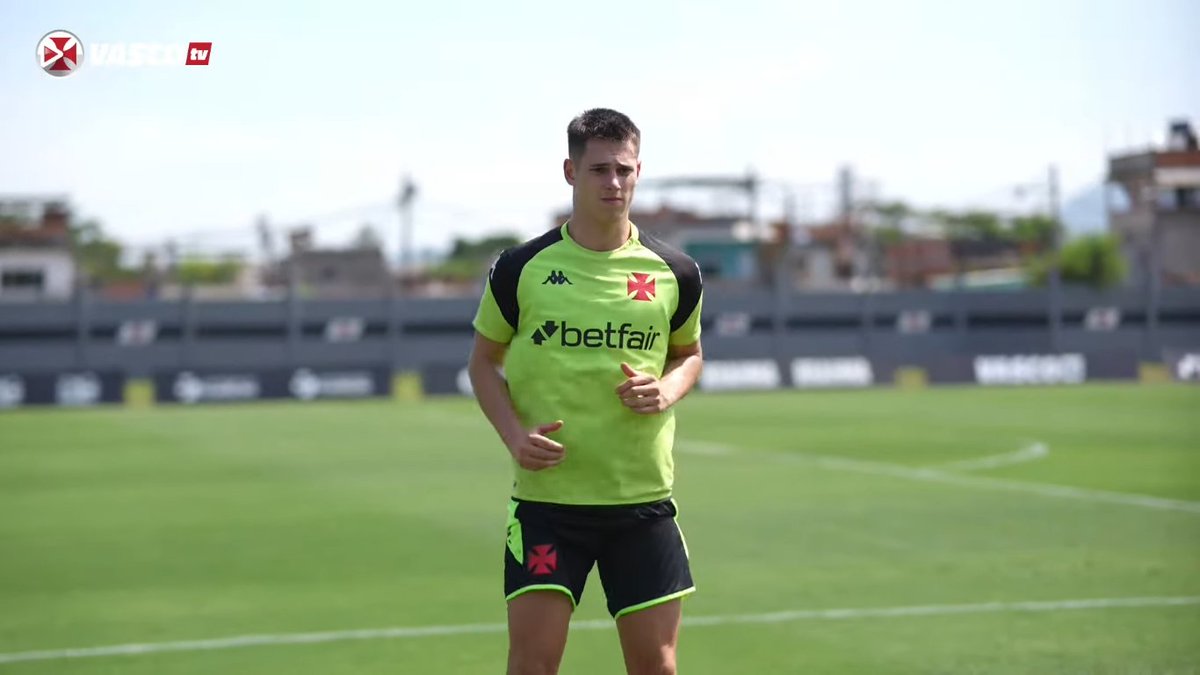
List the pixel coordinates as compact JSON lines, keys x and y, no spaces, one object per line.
{"x":515,"y":539}
{"x":657,"y":601}
{"x":542,"y":587}
{"x":682,"y":538}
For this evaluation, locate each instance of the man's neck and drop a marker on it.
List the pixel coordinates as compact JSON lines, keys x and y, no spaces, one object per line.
{"x":599,"y":236}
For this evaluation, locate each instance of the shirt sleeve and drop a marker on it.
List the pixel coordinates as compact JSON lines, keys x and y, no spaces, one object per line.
{"x":685,"y":324}
{"x":689,"y":332}
{"x":490,"y":320}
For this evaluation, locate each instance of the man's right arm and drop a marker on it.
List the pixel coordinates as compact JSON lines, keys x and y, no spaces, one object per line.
{"x":530,"y":447}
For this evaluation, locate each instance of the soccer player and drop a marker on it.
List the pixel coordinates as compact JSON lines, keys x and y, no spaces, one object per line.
{"x":596,"y":325}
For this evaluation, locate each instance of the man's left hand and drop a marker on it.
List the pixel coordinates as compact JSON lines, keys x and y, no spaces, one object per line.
{"x":644,"y":393}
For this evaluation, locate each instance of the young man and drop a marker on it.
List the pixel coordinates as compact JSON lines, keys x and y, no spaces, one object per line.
{"x":597,"y":327}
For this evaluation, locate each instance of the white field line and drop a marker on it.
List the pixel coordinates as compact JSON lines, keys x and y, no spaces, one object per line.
{"x":704,"y":448}
{"x":948,"y":478}
{"x":412,"y":632}
{"x":1031,"y":452}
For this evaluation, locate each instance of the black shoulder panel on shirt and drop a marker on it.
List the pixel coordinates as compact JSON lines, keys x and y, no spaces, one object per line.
{"x":687,"y":276}
{"x":506,"y":272}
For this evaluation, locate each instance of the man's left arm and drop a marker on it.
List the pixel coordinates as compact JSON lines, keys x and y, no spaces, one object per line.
{"x":646,"y":394}
{"x":684,"y":363}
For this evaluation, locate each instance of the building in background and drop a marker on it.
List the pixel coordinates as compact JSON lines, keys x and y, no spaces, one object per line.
{"x":727,"y":248}
{"x":36,"y":260}
{"x":1154,"y":208}
{"x":822,"y":257}
{"x":357,"y":271}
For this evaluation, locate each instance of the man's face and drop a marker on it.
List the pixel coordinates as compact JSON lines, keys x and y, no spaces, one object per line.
{"x":604,"y":178}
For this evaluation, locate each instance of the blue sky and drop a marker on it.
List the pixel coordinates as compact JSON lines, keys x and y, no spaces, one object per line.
{"x":313,"y":112}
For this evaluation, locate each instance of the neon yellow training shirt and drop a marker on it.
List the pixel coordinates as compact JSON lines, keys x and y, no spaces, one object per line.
{"x":570,"y":316}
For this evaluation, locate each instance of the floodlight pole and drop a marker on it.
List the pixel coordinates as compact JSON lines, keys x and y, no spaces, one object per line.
{"x":408,"y":192}
{"x":1055,"y":280}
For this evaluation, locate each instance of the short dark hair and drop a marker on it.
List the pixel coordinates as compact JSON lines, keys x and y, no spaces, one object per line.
{"x":603,"y":124}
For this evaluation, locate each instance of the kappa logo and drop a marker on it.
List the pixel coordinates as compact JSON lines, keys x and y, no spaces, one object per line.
{"x":557,"y":278}
{"x":543,"y":559}
{"x":640,"y":286}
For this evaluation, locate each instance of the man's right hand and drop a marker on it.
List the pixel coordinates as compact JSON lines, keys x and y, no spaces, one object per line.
{"x":534,"y":451}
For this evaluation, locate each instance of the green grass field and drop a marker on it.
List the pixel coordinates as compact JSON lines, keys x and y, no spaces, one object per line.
{"x":930,"y":514}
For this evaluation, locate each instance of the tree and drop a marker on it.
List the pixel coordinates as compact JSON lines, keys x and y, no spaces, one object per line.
{"x":98,"y":257}
{"x":971,"y":225}
{"x":892,"y":214}
{"x":481,"y":248}
{"x":469,"y":258}
{"x":1036,"y":230}
{"x":1093,"y":260}
{"x":195,"y":271}
{"x":892,"y":218}
{"x":887,"y":235}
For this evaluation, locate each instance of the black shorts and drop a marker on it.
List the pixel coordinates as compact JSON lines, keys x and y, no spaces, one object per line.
{"x":639,"y":549}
